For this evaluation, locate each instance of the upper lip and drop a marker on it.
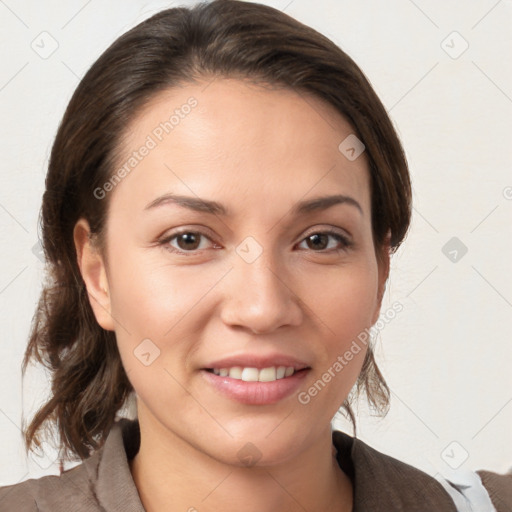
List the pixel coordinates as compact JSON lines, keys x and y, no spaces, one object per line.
{"x":258,"y":361}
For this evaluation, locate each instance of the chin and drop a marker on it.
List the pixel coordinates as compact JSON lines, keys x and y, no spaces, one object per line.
{"x":248,"y":454}
{"x":265,"y":443}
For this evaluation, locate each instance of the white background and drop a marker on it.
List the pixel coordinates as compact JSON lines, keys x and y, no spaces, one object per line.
{"x":447,"y":355}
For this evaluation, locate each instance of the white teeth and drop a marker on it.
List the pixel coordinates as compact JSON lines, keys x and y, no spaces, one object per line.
{"x":269,"y":374}
{"x":250,"y":374}
{"x":236,"y":372}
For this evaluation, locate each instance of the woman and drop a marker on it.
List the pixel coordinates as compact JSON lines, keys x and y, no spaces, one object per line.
{"x":236,"y":130}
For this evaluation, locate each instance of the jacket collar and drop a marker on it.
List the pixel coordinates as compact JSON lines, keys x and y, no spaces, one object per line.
{"x":109,"y":468}
{"x":382,"y":483}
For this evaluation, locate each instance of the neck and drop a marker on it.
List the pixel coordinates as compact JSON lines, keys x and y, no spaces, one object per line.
{"x":312,"y":481}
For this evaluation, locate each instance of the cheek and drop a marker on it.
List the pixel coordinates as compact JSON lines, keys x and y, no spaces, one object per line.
{"x":344,"y":306}
{"x":345,"y":300}
{"x":157,"y":309}
{"x":150,"y":307}
{"x":150,"y":295}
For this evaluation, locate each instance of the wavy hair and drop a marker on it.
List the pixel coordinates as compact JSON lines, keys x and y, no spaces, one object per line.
{"x":223,"y":38}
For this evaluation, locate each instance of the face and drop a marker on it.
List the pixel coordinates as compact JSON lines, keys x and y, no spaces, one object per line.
{"x":247,"y":276}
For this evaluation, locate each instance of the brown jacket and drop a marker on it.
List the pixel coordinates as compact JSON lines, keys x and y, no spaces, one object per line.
{"x":103,"y":482}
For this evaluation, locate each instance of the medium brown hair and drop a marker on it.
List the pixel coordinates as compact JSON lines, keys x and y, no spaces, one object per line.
{"x":224,"y":38}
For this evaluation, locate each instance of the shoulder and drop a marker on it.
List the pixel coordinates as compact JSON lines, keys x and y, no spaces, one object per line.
{"x":499,"y":488}
{"x":53,"y":493}
{"x":101,"y":482}
{"x":383,"y":483}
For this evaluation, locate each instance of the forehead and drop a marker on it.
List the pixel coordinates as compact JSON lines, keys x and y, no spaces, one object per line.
{"x":235,"y":139}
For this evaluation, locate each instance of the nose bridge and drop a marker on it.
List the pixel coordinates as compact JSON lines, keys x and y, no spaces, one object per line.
{"x":259,"y":296}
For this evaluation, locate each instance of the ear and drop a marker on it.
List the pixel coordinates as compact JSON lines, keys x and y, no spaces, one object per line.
{"x":93,"y":270}
{"x":383,"y":257}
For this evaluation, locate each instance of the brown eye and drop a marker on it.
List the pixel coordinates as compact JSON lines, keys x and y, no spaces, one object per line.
{"x":188,"y":241}
{"x":326,"y":241}
{"x":318,"y":241}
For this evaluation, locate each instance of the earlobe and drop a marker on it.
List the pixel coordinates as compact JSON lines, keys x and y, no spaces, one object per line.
{"x":93,"y":271}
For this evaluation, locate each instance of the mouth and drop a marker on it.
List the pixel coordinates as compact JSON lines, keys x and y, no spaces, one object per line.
{"x":250,"y":374}
{"x":250,"y":385}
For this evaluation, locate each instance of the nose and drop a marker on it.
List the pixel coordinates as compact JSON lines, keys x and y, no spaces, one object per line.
{"x":260,"y":297}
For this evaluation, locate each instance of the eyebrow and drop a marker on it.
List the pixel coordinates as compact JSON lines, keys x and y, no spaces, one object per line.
{"x":215,"y":208}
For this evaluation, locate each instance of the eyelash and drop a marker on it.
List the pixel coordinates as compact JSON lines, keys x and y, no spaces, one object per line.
{"x":342,"y":239}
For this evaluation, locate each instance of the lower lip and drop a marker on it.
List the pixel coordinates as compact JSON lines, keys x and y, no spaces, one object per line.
{"x":256,"y":393}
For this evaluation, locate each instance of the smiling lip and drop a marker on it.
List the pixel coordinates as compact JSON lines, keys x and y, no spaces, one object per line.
{"x":256,"y":393}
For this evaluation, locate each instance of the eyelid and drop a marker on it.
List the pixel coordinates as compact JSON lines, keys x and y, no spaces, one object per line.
{"x":342,"y":237}
{"x":166,"y":239}
{"x":328,"y":230}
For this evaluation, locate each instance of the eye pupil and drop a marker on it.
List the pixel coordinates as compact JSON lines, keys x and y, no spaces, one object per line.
{"x":188,"y":238}
{"x":318,"y":237}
